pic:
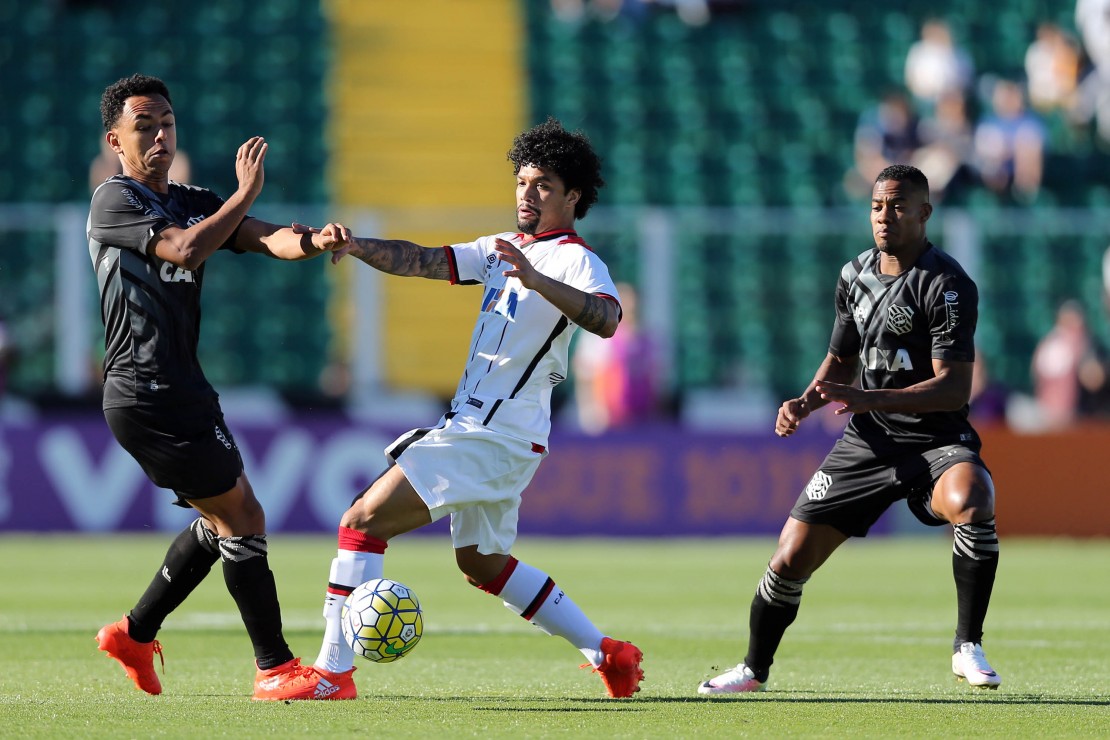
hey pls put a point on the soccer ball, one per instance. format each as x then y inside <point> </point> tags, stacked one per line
<point>382,620</point>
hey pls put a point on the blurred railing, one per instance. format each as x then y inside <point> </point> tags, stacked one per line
<point>740,297</point>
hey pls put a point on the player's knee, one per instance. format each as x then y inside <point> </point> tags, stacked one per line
<point>961,505</point>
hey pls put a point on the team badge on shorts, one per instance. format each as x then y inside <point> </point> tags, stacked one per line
<point>899,319</point>
<point>818,486</point>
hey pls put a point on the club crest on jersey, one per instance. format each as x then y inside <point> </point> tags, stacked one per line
<point>818,486</point>
<point>899,319</point>
<point>500,301</point>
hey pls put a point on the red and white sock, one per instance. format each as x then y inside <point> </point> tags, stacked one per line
<point>360,558</point>
<point>533,595</point>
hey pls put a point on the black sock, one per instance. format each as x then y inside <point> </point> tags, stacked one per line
<point>974,564</point>
<point>251,583</point>
<point>187,562</point>
<point>774,608</point>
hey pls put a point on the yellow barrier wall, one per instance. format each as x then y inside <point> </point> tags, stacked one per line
<point>426,98</point>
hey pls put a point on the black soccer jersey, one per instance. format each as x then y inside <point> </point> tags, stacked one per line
<point>898,324</point>
<point>150,307</point>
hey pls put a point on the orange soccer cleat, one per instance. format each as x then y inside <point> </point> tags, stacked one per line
<point>137,658</point>
<point>292,681</point>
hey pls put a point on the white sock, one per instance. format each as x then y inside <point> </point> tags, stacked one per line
<point>348,570</point>
<point>532,594</point>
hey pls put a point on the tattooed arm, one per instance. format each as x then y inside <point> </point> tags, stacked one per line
<point>399,257</point>
<point>595,314</point>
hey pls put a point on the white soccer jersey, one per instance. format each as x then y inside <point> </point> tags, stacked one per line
<point>520,346</point>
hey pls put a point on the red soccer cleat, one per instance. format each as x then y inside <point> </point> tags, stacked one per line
<point>137,658</point>
<point>620,668</point>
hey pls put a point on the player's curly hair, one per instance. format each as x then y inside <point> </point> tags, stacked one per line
<point>111,102</point>
<point>568,154</point>
<point>908,174</point>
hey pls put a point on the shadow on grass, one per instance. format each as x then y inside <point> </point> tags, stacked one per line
<point>638,703</point>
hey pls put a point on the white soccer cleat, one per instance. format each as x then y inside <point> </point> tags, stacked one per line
<point>738,680</point>
<point>969,664</point>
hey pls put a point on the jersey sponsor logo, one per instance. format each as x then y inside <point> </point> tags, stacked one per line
<point>501,301</point>
<point>887,359</point>
<point>899,319</point>
<point>171,273</point>
<point>951,309</point>
<point>818,486</point>
<point>223,440</point>
<point>133,201</point>
<point>474,402</point>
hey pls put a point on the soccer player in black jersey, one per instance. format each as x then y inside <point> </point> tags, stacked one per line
<point>149,239</point>
<point>906,313</point>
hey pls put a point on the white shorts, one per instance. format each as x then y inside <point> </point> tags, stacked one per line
<point>474,474</point>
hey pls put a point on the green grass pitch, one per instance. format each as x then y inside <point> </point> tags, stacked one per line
<point>867,657</point>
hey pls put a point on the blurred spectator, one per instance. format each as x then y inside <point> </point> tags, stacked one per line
<point>617,380</point>
<point>945,155</point>
<point>690,12</point>
<point>935,65</point>
<point>1092,18</point>
<point>7,356</point>
<point>1009,144</point>
<point>1052,65</point>
<point>886,134</point>
<point>107,163</point>
<point>1056,367</point>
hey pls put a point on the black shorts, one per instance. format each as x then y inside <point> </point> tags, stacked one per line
<point>188,450</point>
<point>854,485</point>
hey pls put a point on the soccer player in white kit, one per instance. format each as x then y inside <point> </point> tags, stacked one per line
<point>540,285</point>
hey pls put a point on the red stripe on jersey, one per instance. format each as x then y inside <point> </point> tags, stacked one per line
<point>452,266</point>
<point>494,587</point>
<point>352,539</point>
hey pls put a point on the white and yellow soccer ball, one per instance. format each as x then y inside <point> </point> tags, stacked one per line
<point>382,620</point>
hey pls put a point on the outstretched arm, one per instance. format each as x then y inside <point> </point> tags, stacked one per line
<point>296,242</point>
<point>398,257</point>
<point>596,314</point>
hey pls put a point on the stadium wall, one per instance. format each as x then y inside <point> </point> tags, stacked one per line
<point>65,473</point>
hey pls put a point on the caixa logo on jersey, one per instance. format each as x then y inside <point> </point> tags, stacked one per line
<point>500,301</point>
<point>171,273</point>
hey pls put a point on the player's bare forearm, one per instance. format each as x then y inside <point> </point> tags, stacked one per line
<point>598,316</point>
<point>399,257</point>
<point>841,370</point>
<point>948,390</point>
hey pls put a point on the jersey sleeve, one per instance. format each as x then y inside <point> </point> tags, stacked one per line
<point>589,274</point>
<point>120,216</point>
<point>470,261</point>
<point>953,312</point>
<point>845,340</point>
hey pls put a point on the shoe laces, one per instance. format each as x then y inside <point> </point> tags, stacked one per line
<point>157,646</point>
<point>974,653</point>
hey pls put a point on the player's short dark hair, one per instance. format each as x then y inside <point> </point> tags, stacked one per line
<point>568,154</point>
<point>908,174</point>
<point>111,102</point>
